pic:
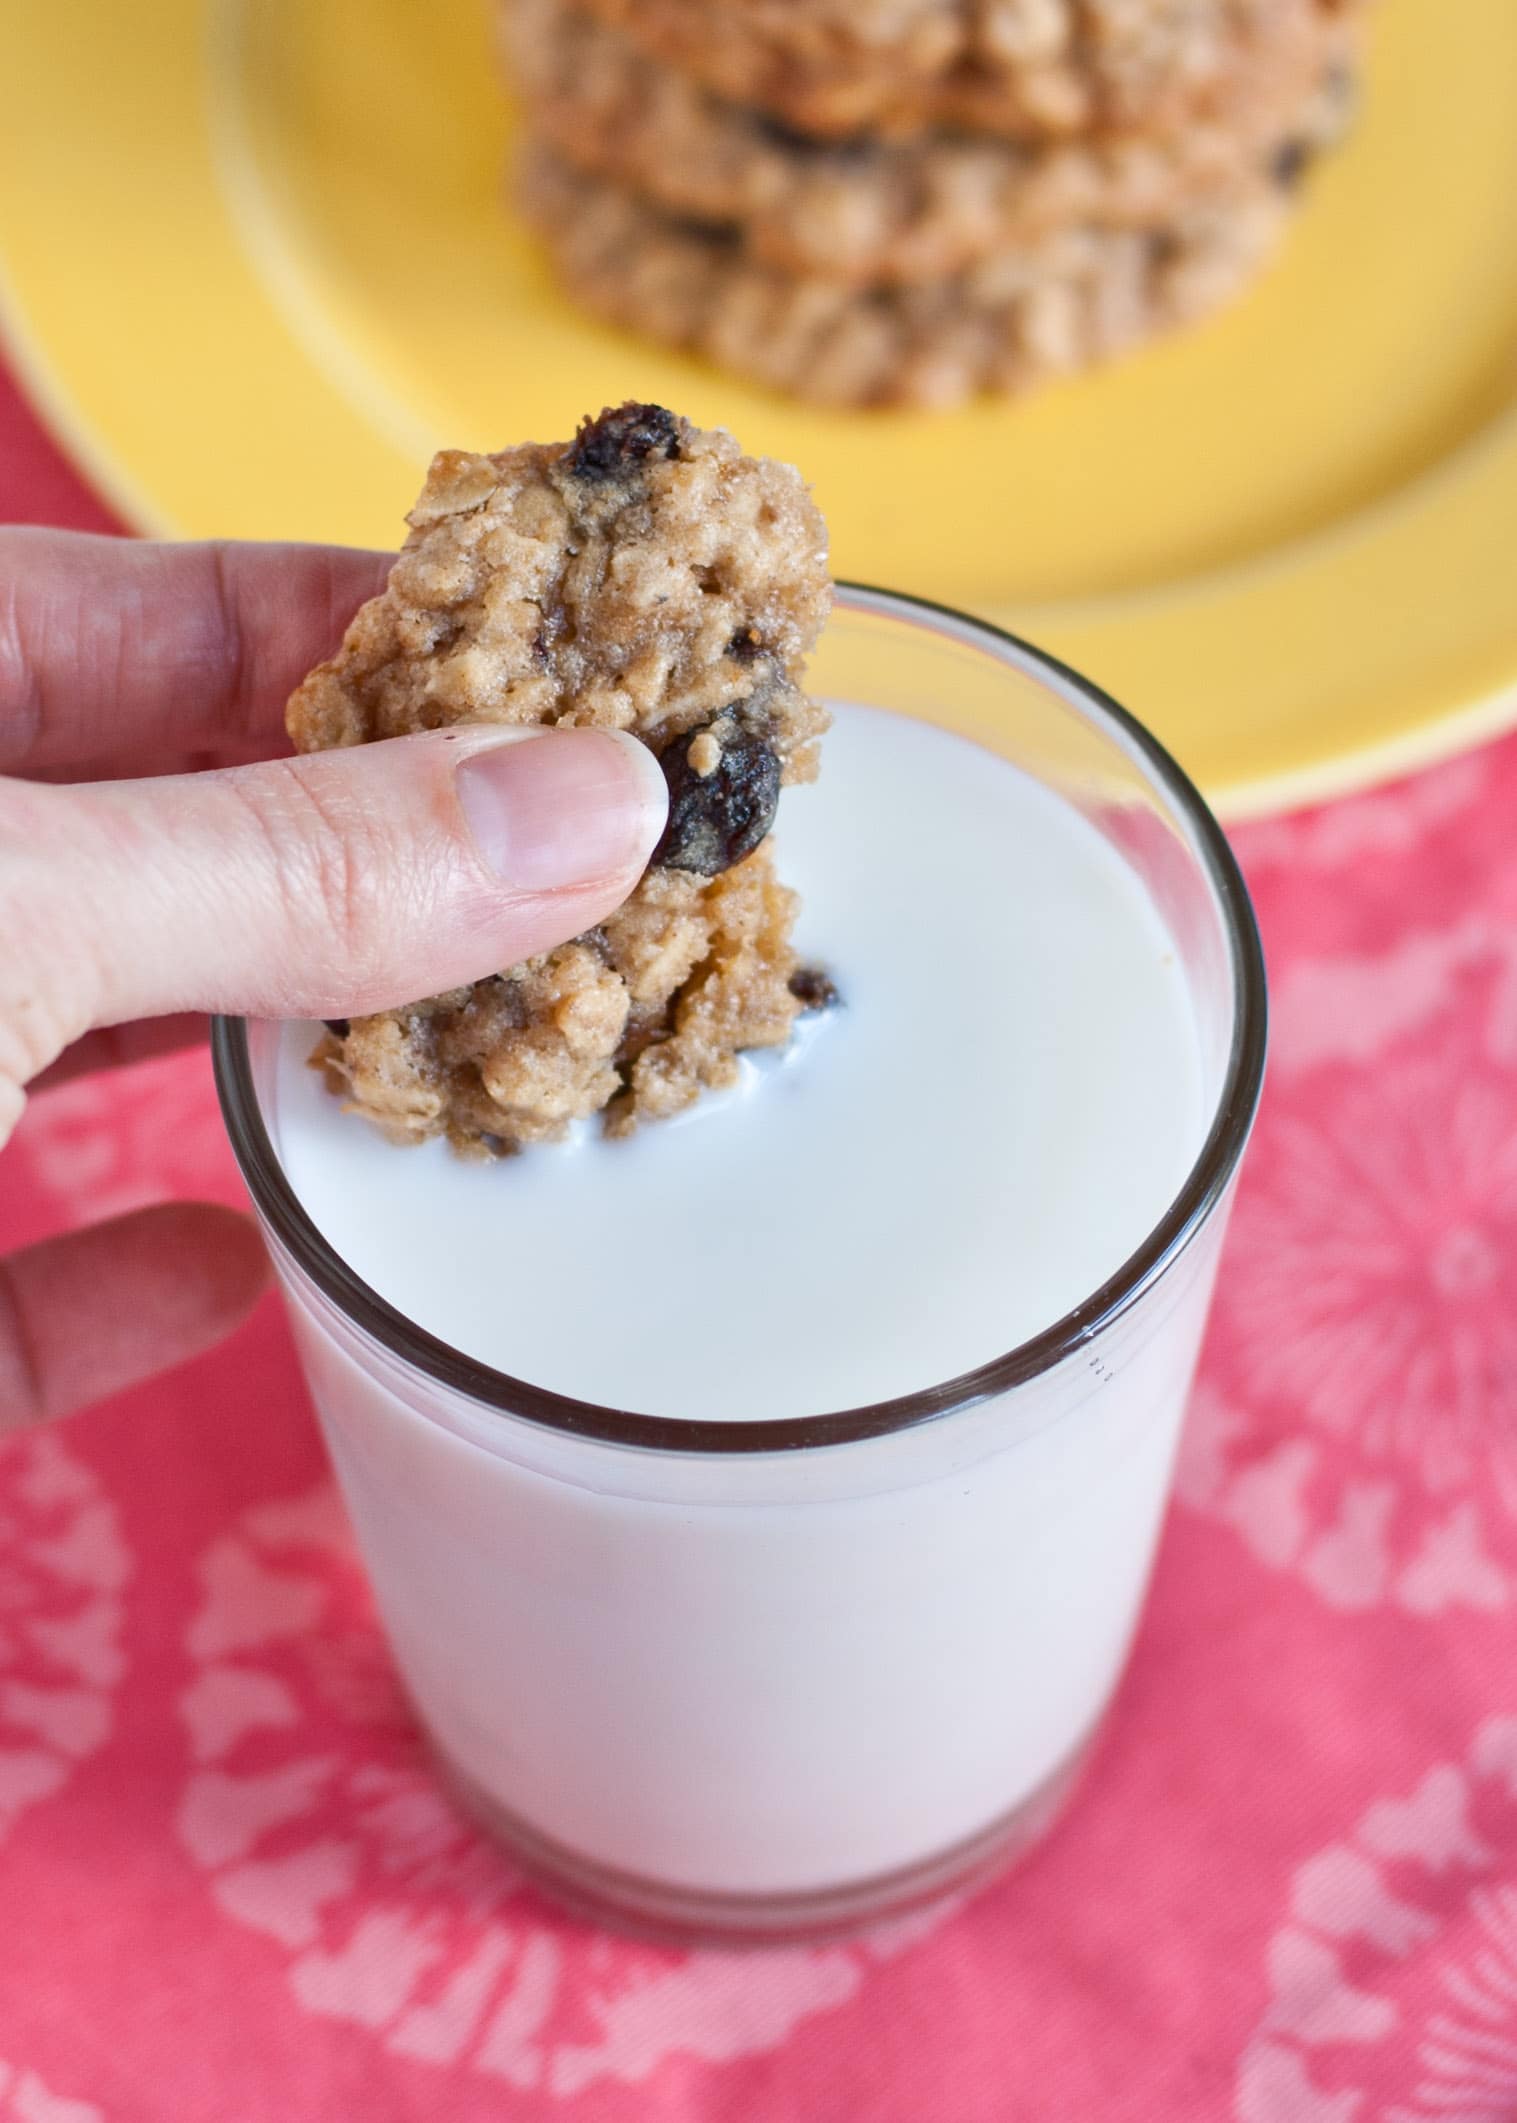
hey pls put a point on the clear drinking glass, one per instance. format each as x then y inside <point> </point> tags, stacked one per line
<point>760,1680</point>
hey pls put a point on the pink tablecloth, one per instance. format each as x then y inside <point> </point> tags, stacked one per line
<point>1289,1893</point>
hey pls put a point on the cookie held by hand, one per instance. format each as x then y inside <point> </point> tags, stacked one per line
<point>647,577</point>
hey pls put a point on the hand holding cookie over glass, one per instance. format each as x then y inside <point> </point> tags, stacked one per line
<point>156,861</point>
<point>752,1336</point>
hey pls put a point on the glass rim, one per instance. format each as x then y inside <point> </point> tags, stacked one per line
<point>1191,1208</point>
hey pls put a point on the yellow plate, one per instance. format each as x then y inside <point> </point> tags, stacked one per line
<point>256,266</point>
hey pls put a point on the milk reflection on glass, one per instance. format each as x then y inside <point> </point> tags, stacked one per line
<point>739,1658</point>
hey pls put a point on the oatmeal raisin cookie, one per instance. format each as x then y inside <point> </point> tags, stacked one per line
<point>871,211</point>
<point>645,577</point>
<point>1074,297</point>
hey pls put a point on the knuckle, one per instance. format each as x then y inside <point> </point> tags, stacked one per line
<point>20,696</point>
<point>47,974</point>
<point>327,865</point>
<point>229,636</point>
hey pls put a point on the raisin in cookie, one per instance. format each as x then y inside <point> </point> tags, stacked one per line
<point>1023,69</point>
<point>645,577</point>
<point>1072,298</point>
<point>873,212</point>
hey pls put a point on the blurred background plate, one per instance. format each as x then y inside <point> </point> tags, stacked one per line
<point>256,266</point>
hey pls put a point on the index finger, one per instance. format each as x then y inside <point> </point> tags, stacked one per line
<point>115,646</point>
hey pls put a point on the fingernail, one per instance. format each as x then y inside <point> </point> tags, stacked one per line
<point>566,809</point>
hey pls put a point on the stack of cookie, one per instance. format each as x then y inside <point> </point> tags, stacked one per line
<point>873,202</point>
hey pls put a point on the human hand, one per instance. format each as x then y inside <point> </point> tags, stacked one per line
<point>326,886</point>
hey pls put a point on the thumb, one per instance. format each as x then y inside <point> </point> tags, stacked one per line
<point>329,885</point>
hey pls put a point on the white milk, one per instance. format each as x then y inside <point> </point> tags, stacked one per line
<point>1007,1101</point>
<point>765,1674</point>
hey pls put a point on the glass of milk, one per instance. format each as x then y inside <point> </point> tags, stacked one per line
<point>760,1510</point>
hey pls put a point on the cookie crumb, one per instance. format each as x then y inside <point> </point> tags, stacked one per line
<point>814,989</point>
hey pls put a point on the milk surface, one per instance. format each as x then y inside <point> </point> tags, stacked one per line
<point>1007,1100</point>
